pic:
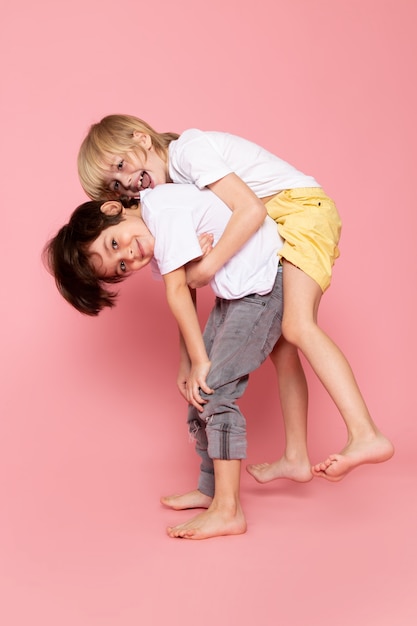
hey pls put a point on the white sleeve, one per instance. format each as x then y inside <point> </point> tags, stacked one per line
<point>176,240</point>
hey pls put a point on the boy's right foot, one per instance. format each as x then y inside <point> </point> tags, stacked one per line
<point>191,500</point>
<point>283,468</point>
<point>215,522</point>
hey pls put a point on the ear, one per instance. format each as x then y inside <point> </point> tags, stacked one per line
<point>112,207</point>
<point>143,139</point>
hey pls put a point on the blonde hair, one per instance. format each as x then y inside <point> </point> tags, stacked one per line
<point>113,135</point>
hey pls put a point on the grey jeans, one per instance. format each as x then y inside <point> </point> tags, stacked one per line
<point>239,335</point>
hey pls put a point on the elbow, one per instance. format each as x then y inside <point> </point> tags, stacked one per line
<point>263,211</point>
<point>253,216</point>
<point>259,213</point>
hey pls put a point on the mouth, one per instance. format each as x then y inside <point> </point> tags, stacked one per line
<point>144,181</point>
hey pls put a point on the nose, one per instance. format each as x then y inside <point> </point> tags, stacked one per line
<point>125,179</point>
<point>126,243</point>
<point>126,253</point>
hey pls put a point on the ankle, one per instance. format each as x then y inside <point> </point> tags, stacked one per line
<point>227,505</point>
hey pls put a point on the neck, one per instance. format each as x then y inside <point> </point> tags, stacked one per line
<point>135,209</point>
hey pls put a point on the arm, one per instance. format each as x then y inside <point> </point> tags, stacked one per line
<point>181,304</point>
<point>185,363</point>
<point>249,213</point>
<point>184,369</point>
<point>206,243</point>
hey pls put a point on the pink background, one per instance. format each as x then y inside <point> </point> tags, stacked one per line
<point>92,427</point>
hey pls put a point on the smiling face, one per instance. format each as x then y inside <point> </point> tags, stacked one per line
<point>143,168</point>
<point>122,248</point>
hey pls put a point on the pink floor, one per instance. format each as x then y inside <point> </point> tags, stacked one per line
<point>96,553</point>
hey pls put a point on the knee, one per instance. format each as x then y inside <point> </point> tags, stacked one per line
<point>295,330</point>
<point>196,426</point>
<point>285,357</point>
<point>290,330</point>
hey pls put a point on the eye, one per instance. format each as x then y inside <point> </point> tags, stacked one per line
<point>116,185</point>
<point>114,244</point>
<point>120,165</point>
<point>123,267</point>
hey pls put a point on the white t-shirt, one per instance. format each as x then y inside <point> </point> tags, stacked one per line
<point>177,214</point>
<point>203,157</point>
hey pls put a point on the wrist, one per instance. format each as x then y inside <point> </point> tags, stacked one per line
<point>208,267</point>
<point>200,362</point>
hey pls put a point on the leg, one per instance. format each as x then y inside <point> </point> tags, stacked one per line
<point>295,463</point>
<point>201,497</point>
<point>246,331</point>
<point>224,515</point>
<point>365,443</point>
<point>224,444</point>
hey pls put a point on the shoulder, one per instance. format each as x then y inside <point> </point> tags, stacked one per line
<point>195,135</point>
<point>187,139</point>
<point>190,134</point>
<point>168,196</point>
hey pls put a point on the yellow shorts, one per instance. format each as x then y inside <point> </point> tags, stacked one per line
<point>310,225</point>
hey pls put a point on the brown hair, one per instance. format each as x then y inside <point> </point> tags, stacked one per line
<point>66,257</point>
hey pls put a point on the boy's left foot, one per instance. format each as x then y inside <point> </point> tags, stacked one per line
<point>211,523</point>
<point>336,466</point>
<point>191,500</point>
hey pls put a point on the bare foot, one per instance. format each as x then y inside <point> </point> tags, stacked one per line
<point>283,468</point>
<point>375,450</point>
<point>215,522</point>
<point>191,500</point>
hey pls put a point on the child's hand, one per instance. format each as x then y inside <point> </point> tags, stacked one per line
<point>197,381</point>
<point>197,276</point>
<point>183,374</point>
<point>206,243</point>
